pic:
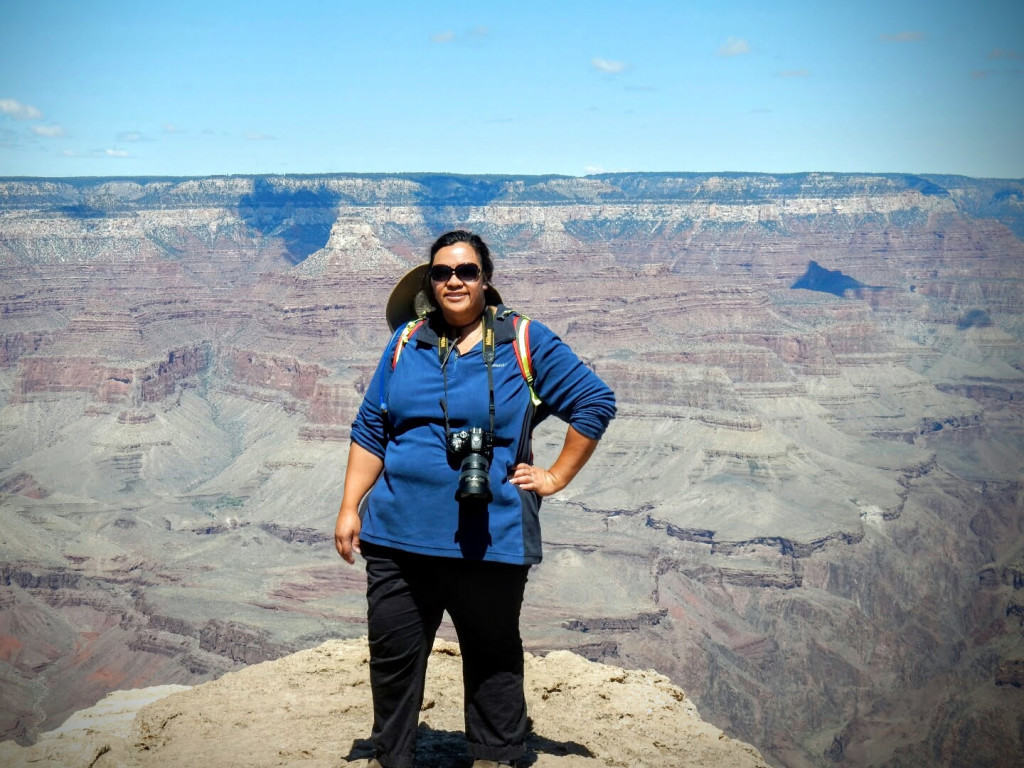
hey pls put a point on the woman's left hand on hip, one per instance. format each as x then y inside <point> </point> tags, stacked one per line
<point>537,479</point>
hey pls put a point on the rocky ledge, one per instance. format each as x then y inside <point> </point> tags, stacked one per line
<point>313,709</point>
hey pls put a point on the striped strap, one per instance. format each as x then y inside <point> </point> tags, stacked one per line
<point>521,323</point>
<point>410,328</point>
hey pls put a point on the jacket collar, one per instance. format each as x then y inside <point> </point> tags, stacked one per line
<point>435,327</point>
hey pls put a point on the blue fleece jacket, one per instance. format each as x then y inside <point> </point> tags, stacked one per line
<point>412,506</point>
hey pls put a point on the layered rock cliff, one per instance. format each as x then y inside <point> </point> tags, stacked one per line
<point>808,512</point>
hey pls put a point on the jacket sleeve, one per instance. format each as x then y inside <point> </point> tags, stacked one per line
<point>369,429</point>
<point>567,386</point>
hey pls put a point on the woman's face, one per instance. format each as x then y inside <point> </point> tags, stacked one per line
<point>461,301</point>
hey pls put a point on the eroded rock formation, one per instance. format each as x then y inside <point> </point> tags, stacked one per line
<point>808,512</point>
<point>313,708</point>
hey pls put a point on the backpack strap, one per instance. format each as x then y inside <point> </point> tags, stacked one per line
<point>521,324</point>
<point>410,328</point>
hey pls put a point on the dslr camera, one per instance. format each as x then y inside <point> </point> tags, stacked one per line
<point>475,447</point>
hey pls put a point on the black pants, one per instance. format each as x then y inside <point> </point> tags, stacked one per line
<point>406,596</point>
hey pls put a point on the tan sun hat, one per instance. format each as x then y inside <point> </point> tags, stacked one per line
<point>409,301</point>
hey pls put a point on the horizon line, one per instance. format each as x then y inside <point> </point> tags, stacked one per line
<point>501,175</point>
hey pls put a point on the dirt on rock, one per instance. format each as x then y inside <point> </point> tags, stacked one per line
<point>313,709</point>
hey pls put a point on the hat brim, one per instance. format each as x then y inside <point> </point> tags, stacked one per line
<point>409,302</point>
<point>402,304</point>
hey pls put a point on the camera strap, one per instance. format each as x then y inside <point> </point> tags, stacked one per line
<point>445,346</point>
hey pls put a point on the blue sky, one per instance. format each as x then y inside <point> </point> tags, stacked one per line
<point>195,88</point>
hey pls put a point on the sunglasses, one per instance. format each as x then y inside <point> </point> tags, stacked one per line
<point>467,273</point>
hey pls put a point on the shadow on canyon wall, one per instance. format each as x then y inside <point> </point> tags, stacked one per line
<point>301,217</point>
<point>819,278</point>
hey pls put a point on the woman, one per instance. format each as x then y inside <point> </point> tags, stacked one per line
<point>442,446</point>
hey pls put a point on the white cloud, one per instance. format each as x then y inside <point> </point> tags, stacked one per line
<point>903,37</point>
<point>734,46</point>
<point>172,128</point>
<point>19,111</point>
<point>130,136</point>
<point>116,153</point>
<point>473,34</point>
<point>607,65</point>
<point>49,131</point>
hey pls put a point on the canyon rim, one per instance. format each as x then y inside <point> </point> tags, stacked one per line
<point>808,513</point>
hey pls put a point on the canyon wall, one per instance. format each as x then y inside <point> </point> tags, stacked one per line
<point>808,512</point>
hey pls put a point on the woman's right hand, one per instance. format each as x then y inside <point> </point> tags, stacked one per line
<point>346,534</point>
<point>361,473</point>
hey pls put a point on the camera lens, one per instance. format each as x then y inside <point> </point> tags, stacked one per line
<point>474,482</point>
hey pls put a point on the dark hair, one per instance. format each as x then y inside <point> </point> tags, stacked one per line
<point>474,241</point>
